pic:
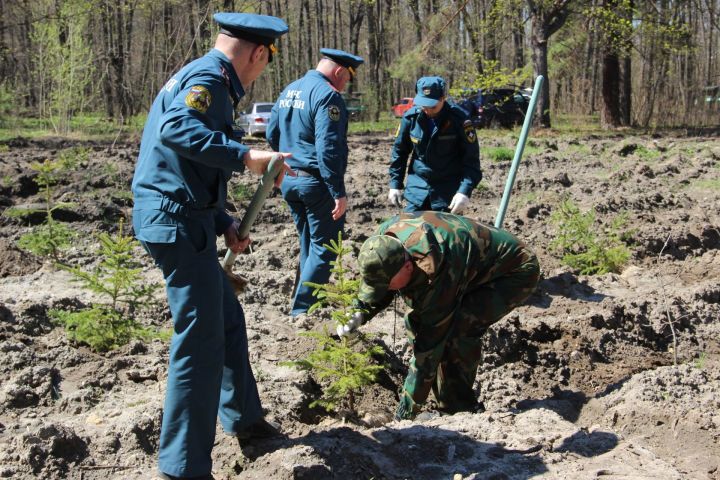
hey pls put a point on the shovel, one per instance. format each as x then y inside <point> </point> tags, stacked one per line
<point>263,190</point>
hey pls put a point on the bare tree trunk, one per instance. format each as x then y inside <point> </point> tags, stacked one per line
<point>610,112</point>
<point>626,92</point>
<point>518,45</point>
<point>415,9</point>
<point>474,38</point>
<point>540,67</point>
<point>547,18</point>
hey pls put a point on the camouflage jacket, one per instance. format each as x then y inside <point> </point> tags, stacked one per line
<point>452,254</point>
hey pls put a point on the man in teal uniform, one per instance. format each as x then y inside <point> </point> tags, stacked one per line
<point>187,155</point>
<point>458,277</point>
<point>439,140</point>
<point>310,120</point>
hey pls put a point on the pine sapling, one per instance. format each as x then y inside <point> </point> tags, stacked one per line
<point>346,363</point>
<point>117,279</point>
<point>51,237</point>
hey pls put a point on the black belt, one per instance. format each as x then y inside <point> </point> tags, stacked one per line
<point>305,173</point>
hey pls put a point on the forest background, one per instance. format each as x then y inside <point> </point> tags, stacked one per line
<point>622,62</point>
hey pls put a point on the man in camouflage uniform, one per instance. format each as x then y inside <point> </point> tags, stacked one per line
<point>458,277</point>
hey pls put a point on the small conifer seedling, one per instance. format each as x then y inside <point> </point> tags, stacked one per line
<point>343,365</point>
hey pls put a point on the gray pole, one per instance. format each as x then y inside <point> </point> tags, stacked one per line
<point>518,152</point>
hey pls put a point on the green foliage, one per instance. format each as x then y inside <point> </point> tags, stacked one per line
<point>384,125</point>
<point>614,20</point>
<point>498,154</point>
<point>701,361</point>
<point>408,66</point>
<point>62,59</point>
<point>707,184</point>
<point>646,154</point>
<point>51,237</point>
<point>341,295</point>
<point>117,275</point>
<point>240,192</point>
<point>100,327</point>
<point>482,187</point>
<point>71,158</point>
<point>7,103</point>
<point>493,76</point>
<point>48,239</point>
<point>582,247</point>
<point>117,280</point>
<point>337,361</point>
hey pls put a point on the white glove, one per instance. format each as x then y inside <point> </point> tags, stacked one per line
<point>395,197</point>
<point>459,202</point>
<point>355,321</point>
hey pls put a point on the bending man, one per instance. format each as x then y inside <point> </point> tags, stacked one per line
<point>458,277</point>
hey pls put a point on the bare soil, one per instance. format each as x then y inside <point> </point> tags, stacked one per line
<point>579,383</point>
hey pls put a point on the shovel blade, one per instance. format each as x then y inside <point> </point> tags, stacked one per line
<point>238,282</point>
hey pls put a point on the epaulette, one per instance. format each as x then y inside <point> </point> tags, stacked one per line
<point>458,111</point>
<point>414,110</point>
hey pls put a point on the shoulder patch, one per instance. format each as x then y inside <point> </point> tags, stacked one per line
<point>334,113</point>
<point>198,98</point>
<point>470,134</point>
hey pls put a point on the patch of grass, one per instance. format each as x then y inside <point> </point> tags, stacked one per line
<point>86,126</point>
<point>700,361</point>
<point>482,187</point>
<point>385,125</point>
<point>122,195</point>
<point>580,148</point>
<point>706,184</point>
<point>531,150</point>
<point>497,154</point>
<point>646,154</point>
<point>240,192</point>
<point>528,198</point>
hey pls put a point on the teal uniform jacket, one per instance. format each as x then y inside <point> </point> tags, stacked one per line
<point>310,120</point>
<point>187,152</point>
<point>443,157</point>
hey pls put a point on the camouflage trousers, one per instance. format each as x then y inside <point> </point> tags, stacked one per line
<point>449,369</point>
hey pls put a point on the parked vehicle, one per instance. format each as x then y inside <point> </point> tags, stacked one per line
<point>499,107</point>
<point>354,105</point>
<point>255,121</point>
<point>402,106</point>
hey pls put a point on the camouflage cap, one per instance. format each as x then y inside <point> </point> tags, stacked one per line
<point>380,258</point>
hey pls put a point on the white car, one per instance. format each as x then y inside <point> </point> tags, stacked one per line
<point>255,121</point>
